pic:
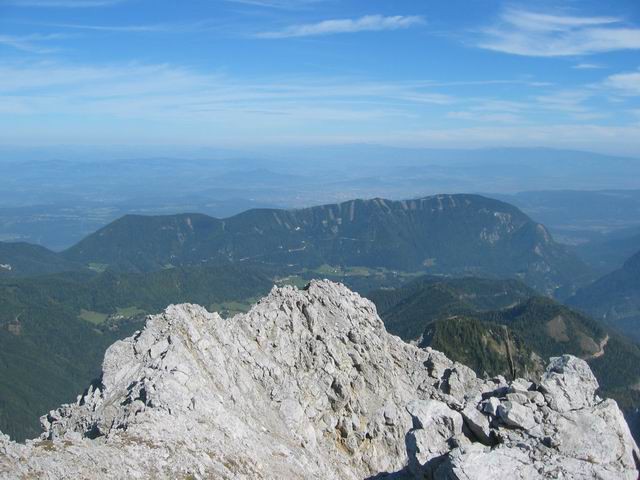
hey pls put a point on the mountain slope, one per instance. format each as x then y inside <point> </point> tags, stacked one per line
<point>408,310</point>
<point>21,259</point>
<point>452,234</point>
<point>487,348</point>
<point>615,298</point>
<point>551,329</point>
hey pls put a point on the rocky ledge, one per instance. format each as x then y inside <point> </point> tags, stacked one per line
<point>309,384</point>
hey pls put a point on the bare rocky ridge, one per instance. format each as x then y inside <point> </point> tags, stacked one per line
<point>309,384</point>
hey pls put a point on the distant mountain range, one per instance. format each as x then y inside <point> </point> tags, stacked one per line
<point>443,234</point>
<point>81,190</point>
<point>615,298</point>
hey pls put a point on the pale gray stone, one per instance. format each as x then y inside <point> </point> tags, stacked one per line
<point>516,415</point>
<point>490,406</point>
<point>569,383</point>
<point>435,427</point>
<point>478,423</point>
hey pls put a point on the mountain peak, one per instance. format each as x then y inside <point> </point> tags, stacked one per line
<point>308,384</point>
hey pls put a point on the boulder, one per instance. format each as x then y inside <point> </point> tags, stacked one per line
<point>435,428</point>
<point>569,384</point>
<point>478,423</point>
<point>516,415</point>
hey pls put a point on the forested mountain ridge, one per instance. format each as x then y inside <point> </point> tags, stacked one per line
<point>442,234</point>
<point>19,259</point>
<point>408,310</point>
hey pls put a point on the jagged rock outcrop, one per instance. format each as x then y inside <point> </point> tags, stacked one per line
<point>309,384</point>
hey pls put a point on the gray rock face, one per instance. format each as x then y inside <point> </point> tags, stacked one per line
<point>569,383</point>
<point>308,384</point>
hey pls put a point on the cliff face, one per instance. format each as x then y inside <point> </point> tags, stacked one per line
<point>308,384</point>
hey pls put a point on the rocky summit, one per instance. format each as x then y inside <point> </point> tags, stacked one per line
<point>308,384</point>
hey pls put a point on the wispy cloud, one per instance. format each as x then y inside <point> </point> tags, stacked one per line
<point>60,3</point>
<point>475,116</point>
<point>142,28</point>
<point>587,66</point>
<point>568,101</point>
<point>624,83</point>
<point>368,23</point>
<point>168,92</point>
<point>527,33</point>
<point>30,43</point>
<point>113,28</point>
<point>165,102</point>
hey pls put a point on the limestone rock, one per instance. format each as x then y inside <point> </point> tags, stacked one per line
<point>515,415</point>
<point>308,384</point>
<point>435,428</point>
<point>478,423</point>
<point>569,383</point>
<point>490,406</point>
<point>479,463</point>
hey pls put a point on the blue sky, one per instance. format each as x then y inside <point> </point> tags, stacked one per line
<point>250,73</point>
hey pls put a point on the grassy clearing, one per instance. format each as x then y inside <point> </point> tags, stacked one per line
<point>92,317</point>
<point>337,271</point>
<point>130,311</point>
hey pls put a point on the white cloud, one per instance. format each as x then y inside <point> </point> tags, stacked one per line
<point>29,43</point>
<point>474,116</point>
<point>368,23</point>
<point>587,66</point>
<point>624,83</point>
<point>142,28</point>
<point>533,21</point>
<point>567,101</point>
<point>521,32</point>
<point>167,92</point>
<point>588,116</point>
